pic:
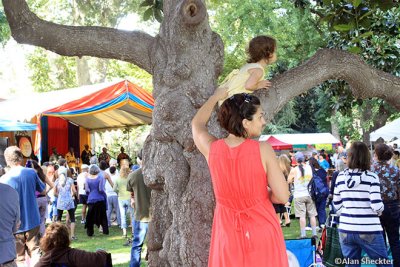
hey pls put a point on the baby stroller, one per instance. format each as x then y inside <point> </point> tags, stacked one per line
<point>329,245</point>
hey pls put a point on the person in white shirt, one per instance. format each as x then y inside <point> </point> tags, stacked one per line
<point>304,206</point>
<point>357,200</point>
<point>112,197</point>
<point>81,190</point>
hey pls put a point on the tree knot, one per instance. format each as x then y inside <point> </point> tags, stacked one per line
<point>193,12</point>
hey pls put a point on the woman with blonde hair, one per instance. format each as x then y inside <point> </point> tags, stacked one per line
<point>284,164</point>
<point>124,196</point>
<point>57,251</point>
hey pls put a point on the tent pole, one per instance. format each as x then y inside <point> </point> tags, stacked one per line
<point>129,141</point>
<point>93,142</point>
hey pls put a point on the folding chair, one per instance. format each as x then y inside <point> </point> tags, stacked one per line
<point>301,252</point>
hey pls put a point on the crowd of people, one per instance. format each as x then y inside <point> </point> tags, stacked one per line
<point>364,190</point>
<point>34,198</point>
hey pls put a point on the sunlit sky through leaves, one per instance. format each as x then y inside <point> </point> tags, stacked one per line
<point>14,70</point>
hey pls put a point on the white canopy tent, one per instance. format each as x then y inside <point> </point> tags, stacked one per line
<point>304,138</point>
<point>387,132</point>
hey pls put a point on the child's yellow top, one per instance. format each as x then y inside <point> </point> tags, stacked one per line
<point>236,80</point>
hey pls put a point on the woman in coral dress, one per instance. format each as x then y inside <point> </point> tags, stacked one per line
<point>246,179</point>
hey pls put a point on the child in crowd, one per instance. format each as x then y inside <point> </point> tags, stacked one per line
<point>250,77</point>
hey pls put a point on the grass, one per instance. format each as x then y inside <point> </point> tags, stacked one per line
<point>293,232</point>
<point>112,243</point>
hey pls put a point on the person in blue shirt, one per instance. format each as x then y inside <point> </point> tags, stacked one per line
<point>26,182</point>
<point>9,223</point>
<point>323,162</point>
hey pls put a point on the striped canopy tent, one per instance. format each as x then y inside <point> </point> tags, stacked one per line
<point>11,126</point>
<point>119,105</point>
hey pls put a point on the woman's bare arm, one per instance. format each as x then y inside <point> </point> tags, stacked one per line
<point>201,137</point>
<point>276,179</point>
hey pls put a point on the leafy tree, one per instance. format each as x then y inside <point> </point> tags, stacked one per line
<point>59,72</point>
<point>367,28</point>
<point>41,80</point>
<point>297,37</point>
<point>4,28</point>
<point>131,139</point>
<point>185,59</point>
<point>119,69</point>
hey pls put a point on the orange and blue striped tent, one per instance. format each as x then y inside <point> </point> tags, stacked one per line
<point>119,105</point>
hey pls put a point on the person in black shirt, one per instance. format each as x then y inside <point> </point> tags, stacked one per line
<point>86,155</point>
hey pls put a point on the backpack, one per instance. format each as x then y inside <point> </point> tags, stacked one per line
<point>317,189</point>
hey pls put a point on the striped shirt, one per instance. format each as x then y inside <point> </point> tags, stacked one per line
<point>357,199</point>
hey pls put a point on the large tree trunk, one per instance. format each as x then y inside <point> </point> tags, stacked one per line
<point>379,119</point>
<point>334,125</point>
<point>184,77</point>
<point>185,60</point>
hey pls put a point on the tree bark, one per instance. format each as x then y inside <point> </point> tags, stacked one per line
<point>82,71</point>
<point>364,80</point>
<point>379,120</point>
<point>186,59</point>
<point>334,125</point>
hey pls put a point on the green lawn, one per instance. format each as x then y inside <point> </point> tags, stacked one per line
<point>113,243</point>
<point>293,231</point>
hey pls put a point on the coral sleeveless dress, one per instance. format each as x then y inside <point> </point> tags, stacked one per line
<point>245,231</point>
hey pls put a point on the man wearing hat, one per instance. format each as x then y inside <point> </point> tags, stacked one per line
<point>81,179</point>
<point>300,176</point>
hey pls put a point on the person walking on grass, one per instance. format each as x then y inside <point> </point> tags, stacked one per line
<point>140,198</point>
<point>304,206</point>
<point>81,179</point>
<point>112,196</point>
<point>97,201</point>
<point>65,190</point>
<point>124,197</point>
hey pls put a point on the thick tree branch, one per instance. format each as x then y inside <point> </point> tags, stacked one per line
<point>27,28</point>
<point>364,80</point>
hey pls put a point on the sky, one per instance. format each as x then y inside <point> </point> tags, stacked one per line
<point>14,72</point>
